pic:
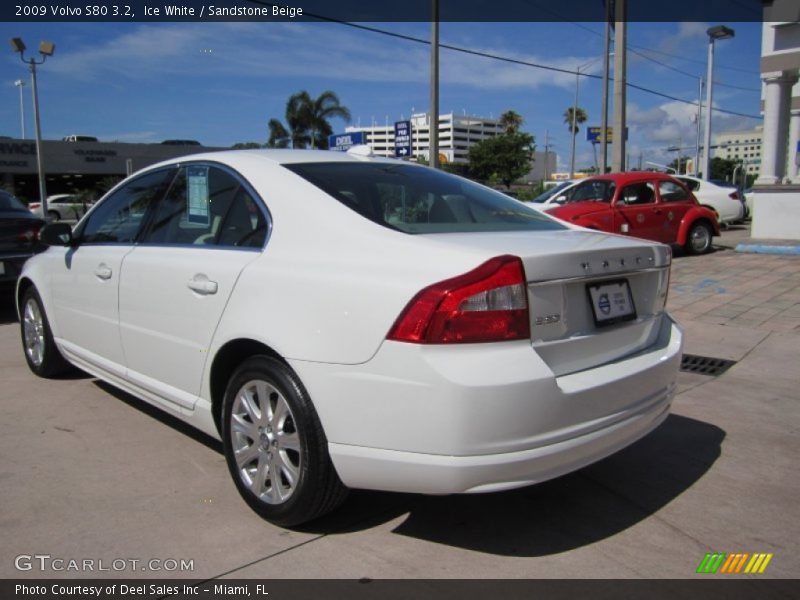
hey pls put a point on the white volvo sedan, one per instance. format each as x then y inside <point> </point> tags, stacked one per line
<point>343,321</point>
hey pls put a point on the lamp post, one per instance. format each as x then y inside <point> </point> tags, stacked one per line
<point>20,84</point>
<point>574,124</point>
<point>697,119</point>
<point>45,49</point>
<point>719,32</point>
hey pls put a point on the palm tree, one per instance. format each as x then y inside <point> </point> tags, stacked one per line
<point>325,106</point>
<point>574,117</point>
<point>511,121</point>
<point>307,119</point>
<point>278,136</point>
<point>580,117</point>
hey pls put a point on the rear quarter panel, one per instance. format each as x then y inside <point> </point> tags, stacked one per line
<point>693,215</point>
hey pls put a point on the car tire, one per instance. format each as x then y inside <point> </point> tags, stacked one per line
<point>53,216</point>
<point>278,457</point>
<point>698,241</point>
<point>41,352</point>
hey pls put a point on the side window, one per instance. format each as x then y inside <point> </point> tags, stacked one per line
<point>638,193</point>
<point>119,217</point>
<point>206,205</point>
<point>671,191</point>
<point>599,191</point>
<point>691,184</point>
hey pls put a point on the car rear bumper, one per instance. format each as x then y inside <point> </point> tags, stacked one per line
<point>488,417</point>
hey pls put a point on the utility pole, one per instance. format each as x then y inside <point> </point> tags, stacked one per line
<point>604,118</point>
<point>620,81</point>
<point>546,151</point>
<point>434,120</point>
<point>699,121</point>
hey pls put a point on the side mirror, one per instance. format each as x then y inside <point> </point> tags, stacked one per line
<point>560,200</point>
<point>56,234</point>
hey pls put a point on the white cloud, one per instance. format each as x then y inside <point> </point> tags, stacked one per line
<point>261,51</point>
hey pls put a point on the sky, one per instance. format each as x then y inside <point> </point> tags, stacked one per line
<point>220,83</point>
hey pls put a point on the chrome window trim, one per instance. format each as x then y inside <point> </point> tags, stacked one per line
<point>260,203</point>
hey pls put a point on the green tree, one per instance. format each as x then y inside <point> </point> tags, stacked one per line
<point>246,146</point>
<point>506,157</point>
<point>722,168</point>
<point>511,121</point>
<point>308,120</point>
<point>683,160</point>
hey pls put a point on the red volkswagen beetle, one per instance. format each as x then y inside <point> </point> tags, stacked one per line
<point>648,205</point>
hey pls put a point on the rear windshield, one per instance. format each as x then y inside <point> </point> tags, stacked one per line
<point>9,203</point>
<point>416,199</point>
<point>544,196</point>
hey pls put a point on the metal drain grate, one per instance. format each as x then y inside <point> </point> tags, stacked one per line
<point>705,365</point>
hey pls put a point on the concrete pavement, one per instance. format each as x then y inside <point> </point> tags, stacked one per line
<point>89,472</point>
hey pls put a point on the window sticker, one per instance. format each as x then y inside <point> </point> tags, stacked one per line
<point>197,201</point>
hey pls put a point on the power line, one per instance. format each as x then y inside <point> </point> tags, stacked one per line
<point>692,75</point>
<point>504,59</point>
<point>538,66</point>
<point>561,17</point>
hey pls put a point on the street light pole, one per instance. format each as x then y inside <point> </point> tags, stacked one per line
<point>20,84</point>
<point>698,121</point>
<point>574,124</point>
<point>45,49</point>
<point>720,32</point>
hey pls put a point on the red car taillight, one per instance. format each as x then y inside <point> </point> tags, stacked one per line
<point>487,304</point>
<point>734,195</point>
<point>28,236</point>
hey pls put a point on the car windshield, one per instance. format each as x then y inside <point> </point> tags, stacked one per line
<point>9,203</point>
<point>545,196</point>
<point>416,199</point>
<point>598,190</point>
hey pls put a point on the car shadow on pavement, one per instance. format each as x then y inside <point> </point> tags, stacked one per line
<point>576,510</point>
<point>569,512</point>
<point>160,415</point>
<point>8,311</point>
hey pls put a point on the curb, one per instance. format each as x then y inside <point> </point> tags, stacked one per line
<point>768,249</point>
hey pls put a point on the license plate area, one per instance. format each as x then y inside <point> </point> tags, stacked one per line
<point>611,302</point>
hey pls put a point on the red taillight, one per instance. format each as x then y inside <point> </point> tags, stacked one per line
<point>488,304</point>
<point>734,195</point>
<point>34,205</point>
<point>28,235</point>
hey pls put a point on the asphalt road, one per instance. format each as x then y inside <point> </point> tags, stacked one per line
<point>88,472</point>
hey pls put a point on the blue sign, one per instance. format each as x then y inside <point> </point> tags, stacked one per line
<point>595,134</point>
<point>342,142</point>
<point>402,139</point>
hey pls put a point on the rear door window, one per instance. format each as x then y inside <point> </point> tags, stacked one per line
<point>672,192</point>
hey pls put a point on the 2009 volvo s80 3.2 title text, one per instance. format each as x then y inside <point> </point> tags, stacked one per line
<point>345,321</point>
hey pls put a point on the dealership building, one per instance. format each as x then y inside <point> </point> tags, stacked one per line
<point>75,166</point>
<point>457,134</point>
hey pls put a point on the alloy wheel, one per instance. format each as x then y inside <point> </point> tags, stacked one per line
<point>33,328</point>
<point>265,441</point>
